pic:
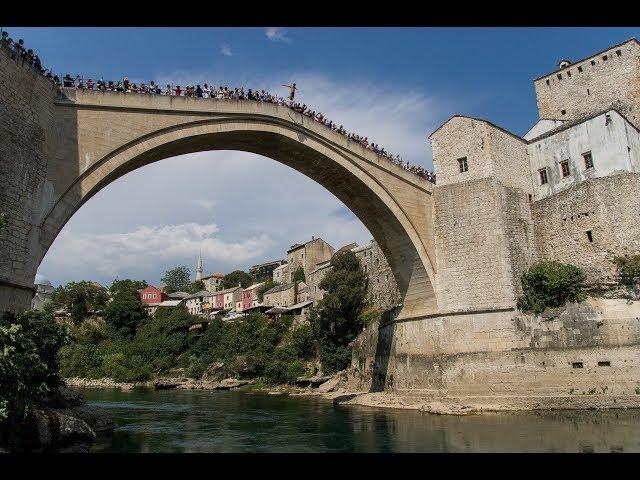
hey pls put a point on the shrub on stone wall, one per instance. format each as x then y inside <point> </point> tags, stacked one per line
<point>629,269</point>
<point>551,284</point>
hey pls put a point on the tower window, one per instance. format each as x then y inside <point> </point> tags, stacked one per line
<point>590,236</point>
<point>588,92</point>
<point>593,62</point>
<point>462,164</point>
<point>564,168</point>
<point>563,112</point>
<point>580,69</point>
<point>548,82</point>
<point>605,57</point>
<point>618,52</point>
<point>559,76</point>
<point>568,73</point>
<point>543,176</point>
<point>588,160</point>
<point>576,364</point>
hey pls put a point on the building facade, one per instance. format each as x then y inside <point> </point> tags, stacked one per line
<point>250,296</point>
<point>264,271</point>
<point>307,255</point>
<point>213,282</point>
<point>282,295</point>
<point>151,295</point>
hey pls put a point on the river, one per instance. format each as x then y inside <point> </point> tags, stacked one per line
<point>232,421</point>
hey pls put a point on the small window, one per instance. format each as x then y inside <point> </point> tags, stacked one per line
<point>462,164</point>
<point>568,73</point>
<point>619,53</point>
<point>577,365</point>
<point>548,82</point>
<point>144,295</point>
<point>563,112</point>
<point>580,69</point>
<point>559,76</point>
<point>590,236</point>
<point>543,176</point>
<point>588,160</point>
<point>605,57</point>
<point>593,62</point>
<point>530,198</point>
<point>564,168</point>
<point>604,364</point>
<point>588,92</point>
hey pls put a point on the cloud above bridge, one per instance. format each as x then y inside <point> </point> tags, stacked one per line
<point>225,49</point>
<point>239,208</point>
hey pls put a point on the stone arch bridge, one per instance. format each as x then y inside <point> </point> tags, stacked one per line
<point>60,147</point>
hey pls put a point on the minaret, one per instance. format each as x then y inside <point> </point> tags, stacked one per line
<point>199,268</point>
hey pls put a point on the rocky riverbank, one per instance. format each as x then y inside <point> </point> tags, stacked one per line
<point>64,423</point>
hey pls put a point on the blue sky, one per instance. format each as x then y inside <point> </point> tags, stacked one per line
<point>395,85</point>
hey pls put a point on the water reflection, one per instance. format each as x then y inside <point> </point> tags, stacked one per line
<point>201,421</point>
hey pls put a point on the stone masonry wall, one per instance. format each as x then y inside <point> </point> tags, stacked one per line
<point>611,82</point>
<point>26,137</point>
<point>609,207</point>
<point>481,228</point>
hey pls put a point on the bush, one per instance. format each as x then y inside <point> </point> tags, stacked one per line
<point>196,368</point>
<point>550,284</point>
<point>629,269</point>
<point>29,362</point>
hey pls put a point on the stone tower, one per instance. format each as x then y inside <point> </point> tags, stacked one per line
<point>199,268</point>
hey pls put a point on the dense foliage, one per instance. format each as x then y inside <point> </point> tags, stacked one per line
<point>177,278</point>
<point>336,320</point>
<point>551,284</point>
<point>267,285</point>
<point>196,287</point>
<point>130,285</point>
<point>29,362</point>
<point>237,277</point>
<point>298,275</point>
<point>78,299</point>
<point>629,269</point>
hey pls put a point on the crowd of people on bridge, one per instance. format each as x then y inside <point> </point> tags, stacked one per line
<point>207,92</point>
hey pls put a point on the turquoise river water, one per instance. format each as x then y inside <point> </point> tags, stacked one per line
<point>216,421</point>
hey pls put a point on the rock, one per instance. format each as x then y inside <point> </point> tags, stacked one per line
<point>229,383</point>
<point>97,418</point>
<point>330,385</point>
<point>214,370</point>
<point>65,397</point>
<point>165,385</point>
<point>57,431</point>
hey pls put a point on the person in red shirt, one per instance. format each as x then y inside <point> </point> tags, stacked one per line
<point>178,91</point>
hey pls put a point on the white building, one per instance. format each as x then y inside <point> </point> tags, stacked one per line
<point>563,154</point>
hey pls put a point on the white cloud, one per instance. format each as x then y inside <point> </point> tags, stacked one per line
<point>277,34</point>
<point>147,248</point>
<point>225,49</point>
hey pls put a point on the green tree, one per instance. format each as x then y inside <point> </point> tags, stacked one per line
<point>124,313</point>
<point>298,275</point>
<point>78,299</point>
<point>177,278</point>
<point>550,284</point>
<point>237,277</point>
<point>267,285</point>
<point>127,284</point>
<point>196,287</point>
<point>336,320</point>
<point>29,364</point>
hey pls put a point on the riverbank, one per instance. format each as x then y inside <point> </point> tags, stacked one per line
<point>338,393</point>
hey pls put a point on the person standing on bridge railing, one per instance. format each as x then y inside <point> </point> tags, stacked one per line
<point>292,91</point>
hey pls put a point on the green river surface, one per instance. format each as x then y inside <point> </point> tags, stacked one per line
<point>235,421</point>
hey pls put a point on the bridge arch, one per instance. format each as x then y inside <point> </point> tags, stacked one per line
<point>105,136</point>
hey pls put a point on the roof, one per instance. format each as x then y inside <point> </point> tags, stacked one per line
<point>280,288</point>
<point>216,275</point>
<point>296,246</point>
<point>301,305</point>
<point>226,290</point>
<point>178,295</point>
<point>478,120</point>
<point>349,246</point>
<point>577,121</point>
<point>170,303</point>
<point>284,265</point>
<point>632,39</point>
<point>320,266</point>
<point>251,287</point>
<point>201,293</point>
<point>276,310</point>
<point>362,247</point>
<point>279,262</point>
